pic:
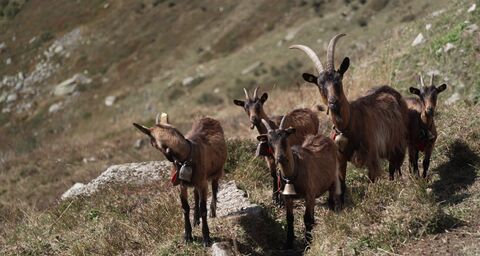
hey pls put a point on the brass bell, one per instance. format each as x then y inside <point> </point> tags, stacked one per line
<point>185,173</point>
<point>289,190</point>
<point>341,141</point>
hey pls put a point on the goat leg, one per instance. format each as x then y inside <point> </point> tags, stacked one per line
<point>308,218</point>
<point>426,159</point>
<point>203,214</point>
<point>413,159</point>
<point>290,219</point>
<point>213,204</point>
<point>186,214</point>
<point>196,210</point>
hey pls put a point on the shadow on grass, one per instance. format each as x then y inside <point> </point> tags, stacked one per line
<point>267,235</point>
<point>456,175</point>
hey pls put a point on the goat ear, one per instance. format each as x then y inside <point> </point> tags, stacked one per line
<point>414,91</point>
<point>240,103</point>
<point>441,88</point>
<point>290,130</point>
<point>344,66</point>
<point>262,137</point>
<point>143,129</point>
<point>164,118</point>
<point>310,78</point>
<point>264,97</point>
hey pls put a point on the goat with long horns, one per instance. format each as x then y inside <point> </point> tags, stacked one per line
<point>374,125</point>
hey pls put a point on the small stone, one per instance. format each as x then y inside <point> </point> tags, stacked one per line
<point>187,80</point>
<point>55,107</point>
<point>32,40</point>
<point>222,249</point>
<point>3,97</point>
<point>251,67</point>
<point>105,6</point>
<point>448,47</point>
<point>12,97</point>
<point>110,100</point>
<point>8,61</point>
<point>437,13</point>
<point>58,49</point>
<point>138,144</point>
<point>2,46</point>
<point>418,40</point>
<point>471,28</point>
<point>428,26</point>
<point>472,8</point>
<point>453,99</point>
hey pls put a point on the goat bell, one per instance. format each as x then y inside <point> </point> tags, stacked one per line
<point>185,173</point>
<point>289,190</point>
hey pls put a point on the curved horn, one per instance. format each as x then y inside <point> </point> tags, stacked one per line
<point>331,52</point>
<point>311,54</point>
<point>266,125</point>
<point>157,119</point>
<point>431,79</point>
<point>255,93</point>
<point>282,123</point>
<point>247,96</point>
<point>421,80</point>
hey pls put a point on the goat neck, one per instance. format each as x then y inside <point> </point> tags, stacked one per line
<point>342,120</point>
<point>288,169</point>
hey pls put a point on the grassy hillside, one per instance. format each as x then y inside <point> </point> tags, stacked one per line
<point>144,53</point>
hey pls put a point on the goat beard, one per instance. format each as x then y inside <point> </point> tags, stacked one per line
<point>252,126</point>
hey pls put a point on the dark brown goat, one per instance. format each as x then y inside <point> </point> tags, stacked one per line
<point>375,125</point>
<point>310,167</point>
<point>204,150</point>
<point>304,120</point>
<point>422,130</point>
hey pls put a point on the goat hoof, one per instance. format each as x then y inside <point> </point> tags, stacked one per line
<point>207,242</point>
<point>188,238</point>
<point>196,222</point>
<point>212,214</point>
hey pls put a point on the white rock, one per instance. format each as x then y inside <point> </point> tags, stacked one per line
<point>292,33</point>
<point>58,49</point>
<point>105,6</point>
<point>55,107</point>
<point>448,47</point>
<point>418,40</point>
<point>132,173</point>
<point>66,87</point>
<point>12,97</point>
<point>222,249</point>
<point>32,40</point>
<point>3,96</point>
<point>436,13</point>
<point>251,67</point>
<point>428,26</point>
<point>472,8</point>
<point>18,86</point>
<point>76,190</point>
<point>452,99</point>
<point>110,100</point>
<point>187,80</point>
<point>3,46</point>
<point>471,28</point>
<point>233,201</point>
<point>138,144</point>
<point>8,61</point>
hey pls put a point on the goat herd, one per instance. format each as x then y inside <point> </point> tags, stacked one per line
<point>379,125</point>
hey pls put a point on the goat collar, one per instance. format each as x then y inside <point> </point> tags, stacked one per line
<point>291,179</point>
<point>172,156</point>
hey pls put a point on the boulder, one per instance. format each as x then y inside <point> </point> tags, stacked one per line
<point>70,85</point>
<point>222,249</point>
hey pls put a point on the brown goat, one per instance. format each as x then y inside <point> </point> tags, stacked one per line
<point>422,130</point>
<point>304,120</point>
<point>310,167</point>
<point>375,125</point>
<point>204,150</point>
